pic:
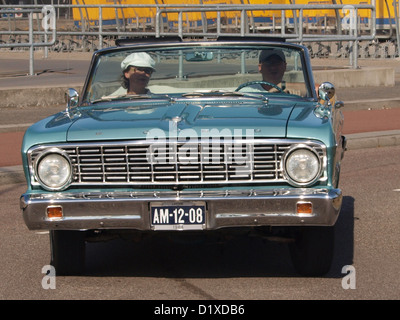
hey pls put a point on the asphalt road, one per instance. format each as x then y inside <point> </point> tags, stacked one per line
<point>245,268</point>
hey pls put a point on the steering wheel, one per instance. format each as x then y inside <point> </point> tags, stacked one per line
<point>249,83</point>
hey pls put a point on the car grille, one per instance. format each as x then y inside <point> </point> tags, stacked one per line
<point>145,163</point>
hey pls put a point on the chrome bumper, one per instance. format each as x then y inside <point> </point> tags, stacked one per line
<point>231,208</point>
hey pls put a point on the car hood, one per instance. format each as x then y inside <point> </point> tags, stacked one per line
<point>181,120</point>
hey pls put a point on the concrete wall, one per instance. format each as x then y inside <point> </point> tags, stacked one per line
<point>50,96</point>
<point>365,77</point>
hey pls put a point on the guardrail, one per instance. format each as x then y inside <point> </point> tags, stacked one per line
<point>48,12</point>
<point>291,23</point>
<point>298,23</point>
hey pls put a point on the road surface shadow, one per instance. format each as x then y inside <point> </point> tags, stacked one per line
<point>241,256</point>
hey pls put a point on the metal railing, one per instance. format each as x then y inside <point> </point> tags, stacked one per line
<point>298,21</point>
<point>31,44</point>
<point>288,21</point>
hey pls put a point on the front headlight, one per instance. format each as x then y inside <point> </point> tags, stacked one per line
<point>53,170</point>
<point>302,166</point>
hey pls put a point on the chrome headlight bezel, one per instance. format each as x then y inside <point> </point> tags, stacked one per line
<point>64,183</point>
<point>312,179</point>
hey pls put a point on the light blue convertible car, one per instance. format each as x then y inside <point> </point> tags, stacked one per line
<point>224,136</point>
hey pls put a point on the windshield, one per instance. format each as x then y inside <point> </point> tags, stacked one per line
<point>263,70</point>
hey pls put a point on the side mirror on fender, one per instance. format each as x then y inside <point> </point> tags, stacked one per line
<point>326,94</point>
<point>71,99</point>
<point>326,91</point>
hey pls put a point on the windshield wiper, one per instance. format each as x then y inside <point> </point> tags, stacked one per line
<point>130,97</point>
<point>223,93</point>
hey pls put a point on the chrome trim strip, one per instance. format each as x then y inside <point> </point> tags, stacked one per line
<point>177,195</point>
<point>260,215</point>
<point>103,217</point>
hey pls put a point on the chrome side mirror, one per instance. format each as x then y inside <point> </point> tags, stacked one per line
<point>71,99</point>
<point>326,91</point>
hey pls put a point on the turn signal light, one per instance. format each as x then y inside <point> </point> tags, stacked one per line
<point>304,208</point>
<point>54,212</point>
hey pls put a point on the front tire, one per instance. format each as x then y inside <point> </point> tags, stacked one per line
<point>313,249</point>
<point>67,252</point>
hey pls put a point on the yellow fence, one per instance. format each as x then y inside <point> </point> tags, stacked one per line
<point>384,11</point>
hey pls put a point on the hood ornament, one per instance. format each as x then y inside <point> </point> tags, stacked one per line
<point>176,119</point>
<point>173,126</point>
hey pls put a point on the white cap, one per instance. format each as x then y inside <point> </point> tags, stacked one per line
<point>138,59</point>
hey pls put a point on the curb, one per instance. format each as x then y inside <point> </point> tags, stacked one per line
<point>372,104</point>
<point>355,141</point>
<point>14,127</point>
<point>38,96</point>
<point>12,175</point>
<point>373,139</point>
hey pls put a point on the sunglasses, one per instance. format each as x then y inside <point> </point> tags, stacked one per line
<point>143,69</point>
<point>273,62</point>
